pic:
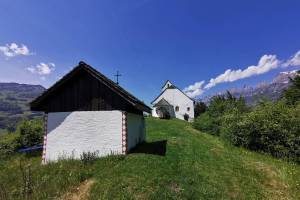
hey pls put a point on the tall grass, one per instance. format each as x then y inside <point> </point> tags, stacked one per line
<point>24,177</point>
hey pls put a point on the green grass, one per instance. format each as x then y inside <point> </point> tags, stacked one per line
<point>196,166</point>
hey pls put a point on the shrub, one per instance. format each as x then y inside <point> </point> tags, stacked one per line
<point>31,133</point>
<point>232,121</point>
<point>271,127</point>
<point>8,144</point>
<point>211,120</point>
<point>28,134</point>
<point>205,123</point>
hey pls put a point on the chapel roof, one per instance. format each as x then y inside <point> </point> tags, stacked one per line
<point>172,86</point>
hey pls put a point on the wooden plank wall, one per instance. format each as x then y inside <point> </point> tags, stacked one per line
<point>85,93</point>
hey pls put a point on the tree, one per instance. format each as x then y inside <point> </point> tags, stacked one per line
<point>31,133</point>
<point>200,108</point>
<point>292,94</point>
<point>219,106</point>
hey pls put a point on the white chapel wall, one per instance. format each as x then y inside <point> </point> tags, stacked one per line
<point>177,98</point>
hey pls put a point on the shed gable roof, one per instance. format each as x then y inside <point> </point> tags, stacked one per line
<point>100,77</point>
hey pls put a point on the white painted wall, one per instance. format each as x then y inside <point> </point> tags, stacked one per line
<point>176,98</point>
<point>72,133</point>
<point>136,130</point>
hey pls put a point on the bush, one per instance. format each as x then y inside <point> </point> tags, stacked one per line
<point>205,123</point>
<point>211,120</point>
<point>31,133</point>
<point>28,134</point>
<point>232,121</point>
<point>8,144</point>
<point>270,127</point>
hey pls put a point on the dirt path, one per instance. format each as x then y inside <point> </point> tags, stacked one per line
<point>80,193</point>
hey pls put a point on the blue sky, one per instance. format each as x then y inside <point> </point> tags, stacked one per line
<point>150,41</point>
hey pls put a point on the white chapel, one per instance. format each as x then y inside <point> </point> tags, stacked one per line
<point>173,103</point>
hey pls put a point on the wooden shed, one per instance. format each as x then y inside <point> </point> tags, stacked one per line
<point>87,112</point>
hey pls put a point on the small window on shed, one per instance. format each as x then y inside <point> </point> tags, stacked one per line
<point>188,108</point>
<point>177,108</point>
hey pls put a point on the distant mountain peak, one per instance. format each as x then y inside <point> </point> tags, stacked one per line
<point>264,90</point>
<point>289,72</point>
<point>284,77</point>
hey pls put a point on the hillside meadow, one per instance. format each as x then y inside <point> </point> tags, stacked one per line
<point>177,162</point>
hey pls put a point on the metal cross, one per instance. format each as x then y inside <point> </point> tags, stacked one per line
<point>118,75</point>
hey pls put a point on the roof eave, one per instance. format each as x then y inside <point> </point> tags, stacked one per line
<point>143,108</point>
<point>34,105</point>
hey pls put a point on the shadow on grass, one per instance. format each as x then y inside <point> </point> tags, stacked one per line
<point>154,148</point>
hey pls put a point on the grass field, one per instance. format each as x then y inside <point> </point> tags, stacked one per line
<point>178,163</point>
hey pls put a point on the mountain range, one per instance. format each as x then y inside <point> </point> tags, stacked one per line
<point>14,103</point>
<point>270,91</point>
<point>15,97</point>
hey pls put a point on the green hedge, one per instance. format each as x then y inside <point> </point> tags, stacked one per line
<point>211,120</point>
<point>270,127</point>
<point>31,133</point>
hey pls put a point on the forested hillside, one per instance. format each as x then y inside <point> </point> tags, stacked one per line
<point>14,103</point>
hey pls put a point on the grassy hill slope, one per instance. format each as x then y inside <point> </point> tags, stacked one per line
<point>195,166</point>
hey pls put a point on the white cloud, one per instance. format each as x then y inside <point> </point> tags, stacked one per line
<point>31,69</point>
<point>293,61</point>
<point>42,69</point>
<point>195,89</point>
<point>13,50</point>
<point>265,64</point>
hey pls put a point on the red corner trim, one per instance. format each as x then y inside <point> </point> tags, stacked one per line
<point>45,139</point>
<point>124,133</point>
